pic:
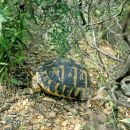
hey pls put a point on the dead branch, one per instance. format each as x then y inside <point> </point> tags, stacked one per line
<point>125,36</point>
<point>125,70</point>
<point>99,55</point>
<point>86,41</point>
<point>113,96</point>
<point>116,100</point>
<point>81,13</point>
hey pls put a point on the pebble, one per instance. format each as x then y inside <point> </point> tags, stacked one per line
<point>51,114</point>
<point>77,127</point>
<point>49,100</point>
<point>43,128</point>
<point>64,123</point>
<point>2,122</point>
<point>55,109</point>
<point>14,114</point>
<point>49,124</point>
<point>58,127</point>
<point>8,127</point>
<point>67,107</point>
<point>48,110</point>
<point>72,110</point>
<point>1,89</point>
<point>76,106</point>
<point>72,127</point>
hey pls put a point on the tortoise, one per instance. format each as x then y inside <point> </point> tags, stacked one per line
<point>64,78</point>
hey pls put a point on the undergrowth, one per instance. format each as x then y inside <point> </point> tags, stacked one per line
<point>12,40</point>
<point>15,20</point>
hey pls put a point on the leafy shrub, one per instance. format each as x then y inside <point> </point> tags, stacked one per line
<point>12,38</point>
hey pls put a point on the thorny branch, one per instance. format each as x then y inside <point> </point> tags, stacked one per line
<point>112,90</point>
<point>103,21</point>
<point>86,41</point>
<point>125,29</point>
<point>99,55</point>
<point>124,72</point>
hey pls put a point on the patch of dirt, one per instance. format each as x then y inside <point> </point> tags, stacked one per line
<point>20,111</point>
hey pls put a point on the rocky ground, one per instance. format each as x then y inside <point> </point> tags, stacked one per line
<point>23,111</point>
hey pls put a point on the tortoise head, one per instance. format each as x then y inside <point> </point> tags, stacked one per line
<point>35,83</point>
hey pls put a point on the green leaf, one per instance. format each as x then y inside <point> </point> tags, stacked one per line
<point>16,82</point>
<point>2,63</point>
<point>2,19</point>
<point>111,103</point>
<point>3,43</point>
<point>18,59</point>
<point>1,70</point>
<point>128,120</point>
<point>92,128</point>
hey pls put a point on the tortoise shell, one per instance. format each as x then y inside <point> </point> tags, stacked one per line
<point>64,78</point>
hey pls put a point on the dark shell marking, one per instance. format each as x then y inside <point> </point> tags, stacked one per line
<point>65,78</point>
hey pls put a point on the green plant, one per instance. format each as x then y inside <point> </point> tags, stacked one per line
<point>12,38</point>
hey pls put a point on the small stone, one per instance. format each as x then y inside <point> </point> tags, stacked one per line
<point>1,89</point>
<point>77,127</point>
<point>71,127</point>
<point>49,124</point>
<point>8,127</point>
<point>2,122</point>
<point>73,111</point>
<point>55,109</point>
<point>67,107</point>
<point>49,100</point>
<point>58,127</point>
<point>49,110</point>
<point>25,102</point>
<point>69,114</point>
<point>43,128</point>
<point>107,105</point>
<point>51,114</point>
<point>64,123</point>
<point>14,114</point>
